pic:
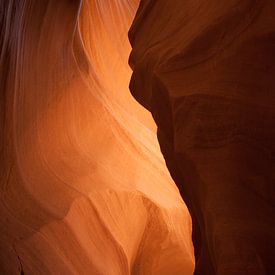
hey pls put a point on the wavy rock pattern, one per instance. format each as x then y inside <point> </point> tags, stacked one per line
<point>84,188</point>
<point>205,70</point>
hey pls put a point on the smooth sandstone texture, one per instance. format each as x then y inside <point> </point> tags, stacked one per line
<point>84,187</point>
<point>205,70</point>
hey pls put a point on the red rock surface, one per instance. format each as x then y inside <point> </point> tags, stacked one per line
<point>205,70</point>
<point>84,187</point>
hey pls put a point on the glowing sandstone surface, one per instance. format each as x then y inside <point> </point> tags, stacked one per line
<point>84,187</point>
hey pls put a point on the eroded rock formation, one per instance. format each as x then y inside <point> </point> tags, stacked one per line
<point>84,187</point>
<point>205,70</point>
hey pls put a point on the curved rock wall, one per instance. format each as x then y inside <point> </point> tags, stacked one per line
<point>205,70</point>
<point>84,188</point>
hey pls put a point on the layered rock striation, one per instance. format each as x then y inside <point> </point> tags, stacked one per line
<point>205,70</point>
<point>84,188</point>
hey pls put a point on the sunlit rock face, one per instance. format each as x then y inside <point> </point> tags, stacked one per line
<point>84,187</point>
<point>205,70</point>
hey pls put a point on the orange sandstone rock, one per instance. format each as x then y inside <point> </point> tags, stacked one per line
<point>84,187</point>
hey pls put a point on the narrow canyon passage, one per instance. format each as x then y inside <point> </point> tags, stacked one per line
<point>84,186</point>
<point>114,111</point>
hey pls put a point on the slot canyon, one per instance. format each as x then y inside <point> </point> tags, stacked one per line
<point>137,137</point>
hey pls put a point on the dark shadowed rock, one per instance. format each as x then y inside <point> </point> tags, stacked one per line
<point>205,70</point>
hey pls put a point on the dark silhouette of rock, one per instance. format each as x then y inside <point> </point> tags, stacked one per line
<point>205,70</point>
